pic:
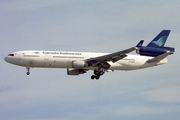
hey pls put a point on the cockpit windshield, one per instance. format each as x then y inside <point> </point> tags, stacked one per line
<point>11,55</point>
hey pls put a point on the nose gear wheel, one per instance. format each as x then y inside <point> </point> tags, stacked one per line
<point>28,69</point>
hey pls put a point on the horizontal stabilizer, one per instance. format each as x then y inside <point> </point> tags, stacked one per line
<point>160,57</point>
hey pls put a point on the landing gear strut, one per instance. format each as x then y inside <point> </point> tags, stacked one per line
<point>97,73</point>
<point>28,69</point>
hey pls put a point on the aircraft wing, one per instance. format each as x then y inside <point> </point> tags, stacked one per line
<point>109,57</point>
<point>160,57</point>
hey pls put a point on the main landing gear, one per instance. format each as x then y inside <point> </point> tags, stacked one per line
<point>97,74</point>
<point>28,69</point>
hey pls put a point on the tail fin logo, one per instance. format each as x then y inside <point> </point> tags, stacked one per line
<point>161,41</point>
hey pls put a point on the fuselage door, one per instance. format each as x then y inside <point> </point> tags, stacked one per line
<point>137,60</point>
<point>18,56</point>
<point>46,57</point>
<point>86,57</point>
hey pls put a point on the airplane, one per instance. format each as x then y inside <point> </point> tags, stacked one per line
<point>78,63</point>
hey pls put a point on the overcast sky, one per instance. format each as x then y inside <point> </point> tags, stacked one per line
<point>88,26</point>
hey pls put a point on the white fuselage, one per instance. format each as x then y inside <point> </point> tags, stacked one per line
<point>63,59</point>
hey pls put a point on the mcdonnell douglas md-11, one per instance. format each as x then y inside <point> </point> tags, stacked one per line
<point>76,63</point>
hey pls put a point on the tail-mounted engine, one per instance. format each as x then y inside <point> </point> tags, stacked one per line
<point>153,51</point>
<point>156,46</point>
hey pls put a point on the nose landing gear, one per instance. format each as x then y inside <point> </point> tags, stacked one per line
<point>28,69</point>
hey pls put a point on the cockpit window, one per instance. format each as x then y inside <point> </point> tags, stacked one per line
<point>11,54</point>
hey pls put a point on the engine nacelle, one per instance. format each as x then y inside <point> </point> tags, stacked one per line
<point>78,64</point>
<point>151,51</point>
<point>71,71</point>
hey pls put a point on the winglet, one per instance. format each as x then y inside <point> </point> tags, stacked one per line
<point>140,43</point>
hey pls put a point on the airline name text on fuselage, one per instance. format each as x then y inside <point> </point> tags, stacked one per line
<point>63,53</point>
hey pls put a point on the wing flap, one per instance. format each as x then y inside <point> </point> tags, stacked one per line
<point>110,57</point>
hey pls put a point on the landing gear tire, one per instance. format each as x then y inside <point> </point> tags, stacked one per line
<point>97,77</point>
<point>101,72</point>
<point>28,73</point>
<point>93,76</point>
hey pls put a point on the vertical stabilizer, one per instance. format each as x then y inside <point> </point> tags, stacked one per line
<point>160,39</point>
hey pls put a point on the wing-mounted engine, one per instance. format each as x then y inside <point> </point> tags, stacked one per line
<point>79,64</point>
<point>77,67</point>
<point>72,71</point>
<point>153,51</point>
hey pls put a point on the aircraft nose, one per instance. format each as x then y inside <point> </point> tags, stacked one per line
<point>6,59</point>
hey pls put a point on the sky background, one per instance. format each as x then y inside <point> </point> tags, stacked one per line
<point>88,26</point>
